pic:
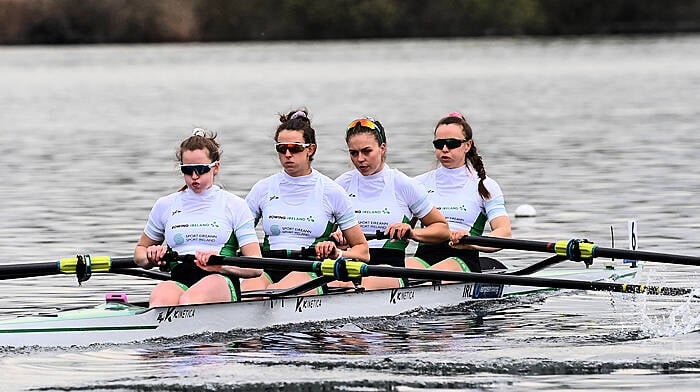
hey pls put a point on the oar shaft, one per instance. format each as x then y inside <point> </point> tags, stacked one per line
<point>646,256</point>
<point>355,269</point>
<point>509,243</point>
<point>594,250</point>
<point>271,263</point>
<point>64,266</point>
<point>387,271</point>
<point>13,271</point>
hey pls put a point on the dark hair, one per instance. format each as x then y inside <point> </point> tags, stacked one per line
<point>201,139</point>
<point>297,120</point>
<point>379,134</point>
<point>472,156</point>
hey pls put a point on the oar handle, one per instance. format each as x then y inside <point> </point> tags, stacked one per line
<point>303,254</point>
<point>380,235</point>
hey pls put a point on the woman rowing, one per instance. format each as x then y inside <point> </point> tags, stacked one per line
<point>386,200</point>
<point>464,194</point>
<point>200,219</point>
<point>300,207</point>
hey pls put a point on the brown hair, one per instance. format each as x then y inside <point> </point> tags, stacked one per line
<point>201,139</point>
<point>379,134</point>
<point>297,120</point>
<point>472,156</point>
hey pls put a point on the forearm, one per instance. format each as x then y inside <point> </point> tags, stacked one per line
<point>141,252</point>
<point>140,257</point>
<point>358,252</point>
<point>503,232</point>
<point>434,233</point>
<point>242,272</point>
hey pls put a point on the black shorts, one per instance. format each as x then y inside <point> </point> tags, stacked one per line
<point>434,253</point>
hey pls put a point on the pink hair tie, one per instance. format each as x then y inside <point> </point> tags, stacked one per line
<point>456,114</point>
<point>298,114</point>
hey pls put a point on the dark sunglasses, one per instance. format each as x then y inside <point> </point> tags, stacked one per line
<point>294,147</point>
<point>439,144</point>
<point>199,168</point>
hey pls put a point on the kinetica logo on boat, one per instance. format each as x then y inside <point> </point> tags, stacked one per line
<point>397,295</point>
<point>306,303</point>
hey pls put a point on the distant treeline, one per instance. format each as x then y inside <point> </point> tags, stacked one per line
<point>130,21</point>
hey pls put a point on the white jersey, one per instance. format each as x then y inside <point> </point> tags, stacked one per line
<point>188,221</point>
<point>455,193</point>
<point>384,198</point>
<point>299,211</point>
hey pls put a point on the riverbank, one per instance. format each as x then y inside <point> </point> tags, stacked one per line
<point>137,21</point>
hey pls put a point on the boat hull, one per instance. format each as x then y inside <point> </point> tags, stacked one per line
<point>116,322</point>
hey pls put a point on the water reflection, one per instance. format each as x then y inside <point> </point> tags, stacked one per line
<point>590,131</point>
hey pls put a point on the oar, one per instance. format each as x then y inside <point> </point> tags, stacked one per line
<point>380,235</point>
<point>576,249</point>
<point>83,266</point>
<point>346,270</point>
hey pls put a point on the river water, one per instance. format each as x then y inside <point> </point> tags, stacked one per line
<point>592,132</point>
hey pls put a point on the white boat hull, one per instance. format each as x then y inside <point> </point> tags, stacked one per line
<point>116,322</point>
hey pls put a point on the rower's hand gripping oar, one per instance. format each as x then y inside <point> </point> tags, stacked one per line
<point>380,235</point>
<point>576,249</point>
<point>348,270</point>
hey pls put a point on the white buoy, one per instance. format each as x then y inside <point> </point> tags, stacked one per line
<point>525,211</point>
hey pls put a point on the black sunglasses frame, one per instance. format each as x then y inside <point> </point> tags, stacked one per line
<point>451,143</point>
<point>200,169</point>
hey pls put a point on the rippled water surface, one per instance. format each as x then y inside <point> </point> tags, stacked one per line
<point>592,132</point>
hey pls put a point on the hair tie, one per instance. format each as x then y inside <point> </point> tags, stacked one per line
<point>199,132</point>
<point>297,114</point>
<point>456,114</point>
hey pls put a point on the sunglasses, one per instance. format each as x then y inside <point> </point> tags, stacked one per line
<point>294,147</point>
<point>450,143</point>
<point>367,123</point>
<point>199,168</point>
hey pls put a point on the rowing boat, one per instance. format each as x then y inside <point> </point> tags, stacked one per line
<point>117,321</point>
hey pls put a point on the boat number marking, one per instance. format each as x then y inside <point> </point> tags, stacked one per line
<point>174,313</point>
<point>397,295</point>
<point>278,301</point>
<point>306,303</point>
<point>468,291</point>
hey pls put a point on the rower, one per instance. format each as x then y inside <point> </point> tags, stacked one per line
<point>299,207</point>
<point>386,201</point>
<point>465,195</point>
